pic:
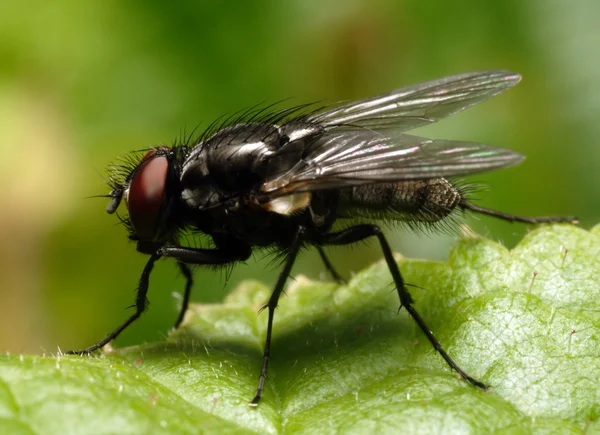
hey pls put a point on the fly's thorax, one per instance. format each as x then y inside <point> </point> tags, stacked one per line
<point>296,131</point>
<point>231,158</point>
<point>238,160</point>
<point>421,200</point>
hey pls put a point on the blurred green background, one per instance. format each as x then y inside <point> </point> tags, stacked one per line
<point>84,82</point>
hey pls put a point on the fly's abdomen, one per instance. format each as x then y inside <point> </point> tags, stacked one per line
<point>425,201</point>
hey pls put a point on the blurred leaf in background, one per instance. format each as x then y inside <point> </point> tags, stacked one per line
<point>84,82</point>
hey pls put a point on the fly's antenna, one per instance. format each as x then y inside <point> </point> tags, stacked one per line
<point>97,196</point>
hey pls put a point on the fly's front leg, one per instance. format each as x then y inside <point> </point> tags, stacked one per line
<point>189,282</point>
<point>272,304</point>
<point>361,232</point>
<point>336,276</point>
<point>140,306</point>
<point>183,255</point>
<point>466,205</point>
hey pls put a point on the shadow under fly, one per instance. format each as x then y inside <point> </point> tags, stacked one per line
<point>280,179</point>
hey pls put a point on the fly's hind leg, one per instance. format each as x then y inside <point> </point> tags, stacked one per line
<point>466,205</point>
<point>361,232</point>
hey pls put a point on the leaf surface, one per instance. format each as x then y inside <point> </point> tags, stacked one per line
<point>525,321</point>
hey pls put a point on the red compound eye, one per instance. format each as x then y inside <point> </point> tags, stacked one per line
<point>146,193</point>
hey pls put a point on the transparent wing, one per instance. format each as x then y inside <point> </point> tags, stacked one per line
<point>361,157</point>
<point>418,105</point>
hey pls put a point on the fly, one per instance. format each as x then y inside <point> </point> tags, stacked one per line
<point>282,179</point>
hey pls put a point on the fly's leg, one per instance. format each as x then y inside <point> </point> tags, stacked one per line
<point>189,281</point>
<point>272,304</point>
<point>223,255</point>
<point>182,255</point>
<point>466,205</point>
<point>140,306</point>
<point>361,232</point>
<point>336,276</point>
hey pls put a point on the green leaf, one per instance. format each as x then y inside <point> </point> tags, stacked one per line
<point>525,321</point>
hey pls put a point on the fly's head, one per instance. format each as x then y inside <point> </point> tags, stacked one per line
<point>149,184</point>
